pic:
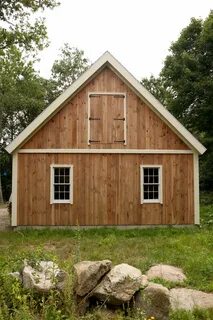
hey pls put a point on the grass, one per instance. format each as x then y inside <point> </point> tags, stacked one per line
<point>188,248</point>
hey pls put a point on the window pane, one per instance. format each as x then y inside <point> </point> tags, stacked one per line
<point>146,195</point>
<point>56,195</point>
<point>61,171</point>
<point>145,179</point>
<point>67,171</point>
<point>61,180</point>
<point>145,171</point>
<point>156,188</point>
<point>61,195</point>
<point>151,171</point>
<point>146,187</point>
<point>155,171</point>
<point>155,195</point>
<point>67,195</point>
<point>67,179</point>
<point>56,171</point>
<point>67,188</point>
<point>56,187</point>
<point>61,188</point>
<point>155,179</point>
<point>56,179</point>
<point>151,179</point>
<point>151,187</point>
<point>151,195</point>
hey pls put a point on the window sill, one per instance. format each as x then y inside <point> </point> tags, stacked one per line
<point>151,201</point>
<point>62,202</point>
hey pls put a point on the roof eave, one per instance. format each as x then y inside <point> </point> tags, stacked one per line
<point>154,104</point>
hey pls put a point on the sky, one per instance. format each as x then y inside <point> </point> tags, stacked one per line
<point>137,32</point>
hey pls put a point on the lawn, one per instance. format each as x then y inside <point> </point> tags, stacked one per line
<point>188,248</point>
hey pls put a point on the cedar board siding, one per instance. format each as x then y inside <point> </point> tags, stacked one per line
<point>106,190</point>
<point>69,127</point>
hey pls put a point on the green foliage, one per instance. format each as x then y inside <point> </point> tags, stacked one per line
<point>67,68</point>
<point>19,25</point>
<point>195,315</point>
<point>22,98</point>
<point>206,198</point>
<point>22,95</point>
<point>157,87</point>
<point>6,173</point>
<point>185,86</point>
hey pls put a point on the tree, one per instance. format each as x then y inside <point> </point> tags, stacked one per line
<point>19,25</point>
<point>22,98</point>
<point>156,87</point>
<point>187,78</point>
<point>21,94</point>
<point>22,34</point>
<point>67,69</point>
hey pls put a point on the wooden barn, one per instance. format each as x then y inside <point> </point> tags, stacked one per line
<point>105,153</point>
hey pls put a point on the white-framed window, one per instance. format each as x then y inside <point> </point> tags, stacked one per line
<point>151,183</point>
<point>61,179</point>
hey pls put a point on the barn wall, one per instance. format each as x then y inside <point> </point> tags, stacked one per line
<point>69,127</point>
<point>106,190</point>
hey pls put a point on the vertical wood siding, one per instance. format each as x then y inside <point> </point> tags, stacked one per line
<point>106,190</point>
<point>68,128</point>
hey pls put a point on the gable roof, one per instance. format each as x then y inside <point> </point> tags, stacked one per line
<point>108,60</point>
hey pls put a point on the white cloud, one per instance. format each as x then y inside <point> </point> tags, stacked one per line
<point>137,32</point>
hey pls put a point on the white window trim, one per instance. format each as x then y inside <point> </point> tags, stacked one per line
<point>160,199</point>
<point>105,93</point>
<point>52,200</point>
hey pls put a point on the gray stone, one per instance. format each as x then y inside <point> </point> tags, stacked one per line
<point>144,281</point>
<point>154,300</point>
<point>88,274</point>
<point>44,277</point>
<point>166,272</point>
<point>188,299</point>
<point>119,285</point>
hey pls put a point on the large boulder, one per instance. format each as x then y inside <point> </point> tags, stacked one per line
<point>43,277</point>
<point>88,275</point>
<point>166,272</point>
<point>188,299</point>
<point>119,285</point>
<point>154,300</point>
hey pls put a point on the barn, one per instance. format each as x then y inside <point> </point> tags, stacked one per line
<point>105,153</point>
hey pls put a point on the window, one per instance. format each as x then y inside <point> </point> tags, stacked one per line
<point>61,184</point>
<point>151,184</point>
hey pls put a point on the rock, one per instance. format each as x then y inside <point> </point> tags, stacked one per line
<point>61,278</point>
<point>154,300</point>
<point>119,285</point>
<point>188,299</point>
<point>166,272</point>
<point>144,281</point>
<point>88,274</point>
<point>16,275</point>
<point>44,277</point>
<point>82,305</point>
